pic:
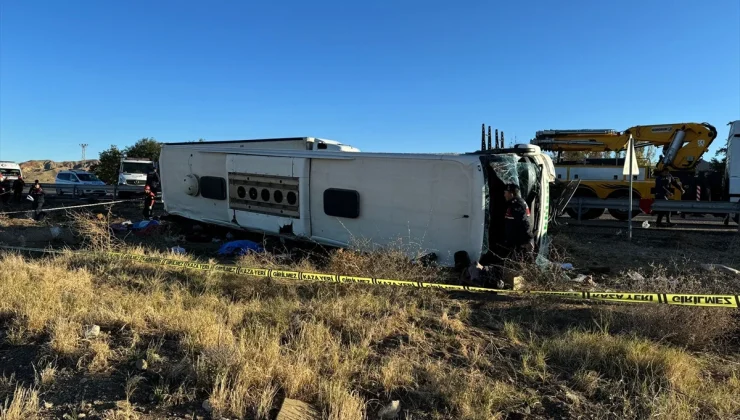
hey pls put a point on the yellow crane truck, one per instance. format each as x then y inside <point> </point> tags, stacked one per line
<point>683,144</point>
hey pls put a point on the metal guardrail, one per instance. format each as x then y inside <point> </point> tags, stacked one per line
<point>77,190</point>
<point>714,207</point>
<point>657,205</point>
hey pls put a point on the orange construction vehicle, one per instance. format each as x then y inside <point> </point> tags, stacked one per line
<point>683,144</point>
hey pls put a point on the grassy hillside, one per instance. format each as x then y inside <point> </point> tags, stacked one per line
<point>46,170</point>
<point>175,343</point>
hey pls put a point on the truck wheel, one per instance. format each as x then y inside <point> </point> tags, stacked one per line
<point>586,213</point>
<point>621,214</point>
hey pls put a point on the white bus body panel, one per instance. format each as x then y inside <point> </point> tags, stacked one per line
<point>277,167</point>
<point>733,160</point>
<point>422,203</point>
<point>288,143</point>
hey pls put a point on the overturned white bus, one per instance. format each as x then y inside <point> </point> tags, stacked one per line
<point>433,203</point>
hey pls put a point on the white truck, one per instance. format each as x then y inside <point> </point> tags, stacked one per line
<point>10,170</point>
<point>338,196</point>
<point>732,168</point>
<point>133,172</point>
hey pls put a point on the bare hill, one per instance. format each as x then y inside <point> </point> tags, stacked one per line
<point>46,170</point>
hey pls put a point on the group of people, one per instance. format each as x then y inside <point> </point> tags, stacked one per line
<point>16,189</point>
<point>36,193</point>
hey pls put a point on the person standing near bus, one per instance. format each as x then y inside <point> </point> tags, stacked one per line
<point>37,193</point>
<point>663,191</point>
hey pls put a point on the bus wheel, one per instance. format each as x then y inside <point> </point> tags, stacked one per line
<point>622,214</point>
<point>586,212</point>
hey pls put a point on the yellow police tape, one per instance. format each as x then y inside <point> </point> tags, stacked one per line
<point>725,301</point>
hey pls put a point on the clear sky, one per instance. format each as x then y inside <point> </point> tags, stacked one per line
<point>396,76</point>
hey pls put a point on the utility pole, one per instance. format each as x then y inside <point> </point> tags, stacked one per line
<point>84,146</point>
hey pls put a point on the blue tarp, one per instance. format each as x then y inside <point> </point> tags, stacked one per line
<point>144,223</point>
<point>239,247</point>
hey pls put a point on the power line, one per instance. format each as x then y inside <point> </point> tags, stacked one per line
<point>84,146</point>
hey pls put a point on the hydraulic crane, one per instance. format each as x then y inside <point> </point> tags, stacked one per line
<point>683,144</point>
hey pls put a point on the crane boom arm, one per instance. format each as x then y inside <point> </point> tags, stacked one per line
<point>683,143</point>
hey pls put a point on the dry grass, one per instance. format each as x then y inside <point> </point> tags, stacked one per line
<point>646,371</point>
<point>94,231</point>
<point>243,344</point>
<point>23,405</point>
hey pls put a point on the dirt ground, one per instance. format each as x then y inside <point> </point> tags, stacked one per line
<point>183,344</point>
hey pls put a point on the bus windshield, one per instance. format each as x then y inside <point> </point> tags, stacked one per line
<point>137,167</point>
<point>10,172</point>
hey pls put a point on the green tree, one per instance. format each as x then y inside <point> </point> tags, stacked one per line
<point>146,148</point>
<point>107,168</point>
<point>719,161</point>
<point>110,160</point>
<point>645,155</point>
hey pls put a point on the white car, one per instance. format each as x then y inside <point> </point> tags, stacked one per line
<point>79,183</point>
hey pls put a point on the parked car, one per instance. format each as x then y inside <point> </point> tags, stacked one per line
<point>79,183</point>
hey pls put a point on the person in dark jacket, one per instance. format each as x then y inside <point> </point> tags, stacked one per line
<point>149,197</point>
<point>7,186</point>
<point>3,191</point>
<point>518,236</point>
<point>18,186</point>
<point>153,181</point>
<point>37,193</point>
<point>663,184</point>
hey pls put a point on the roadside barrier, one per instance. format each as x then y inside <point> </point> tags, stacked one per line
<point>680,299</point>
<point>43,210</point>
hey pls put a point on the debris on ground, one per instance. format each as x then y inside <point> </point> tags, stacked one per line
<point>177,250</point>
<point>122,227</point>
<point>722,268</point>
<point>142,364</point>
<point>390,411</point>
<point>566,266</point>
<point>582,278</point>
<point>635,276</point>
<point>92,331</point>
<point>241,247</point>
<point>297,410</point>
<point>145,227</point>
<point>514,283</point>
